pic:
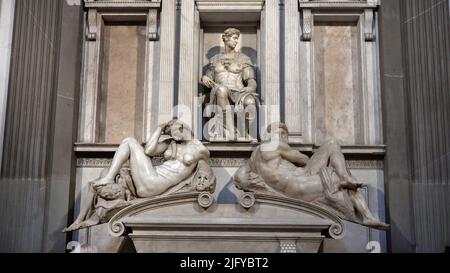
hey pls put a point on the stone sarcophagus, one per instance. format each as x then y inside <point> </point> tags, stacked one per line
<point>182,223</point>
<point>289,202</point>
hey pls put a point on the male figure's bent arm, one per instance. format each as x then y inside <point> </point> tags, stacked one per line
<point>293,156</point>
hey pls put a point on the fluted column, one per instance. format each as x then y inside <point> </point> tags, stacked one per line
<point>414,45</point>
<point>187,79</point>
<point>270,27</point>
<point>295,97</point>
<point>426,30</point>
<point>167,61</point>
<point>24,178</point>
<point>6,30</point>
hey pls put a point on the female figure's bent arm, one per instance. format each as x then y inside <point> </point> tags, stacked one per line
<point>153,146</point>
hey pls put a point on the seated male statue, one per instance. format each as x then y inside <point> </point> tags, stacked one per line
<point>232,81</point>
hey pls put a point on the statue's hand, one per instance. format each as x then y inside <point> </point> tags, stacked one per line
<point>163,127</point>
<point>249,90</point>
<point>208,82</point>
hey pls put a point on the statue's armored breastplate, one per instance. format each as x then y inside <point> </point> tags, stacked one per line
<point>229,79</point>
<point>228,71</point>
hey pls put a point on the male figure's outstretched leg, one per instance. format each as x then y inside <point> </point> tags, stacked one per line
<point>361,206</point>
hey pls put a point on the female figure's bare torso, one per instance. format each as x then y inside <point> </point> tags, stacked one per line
<point>179,165</point>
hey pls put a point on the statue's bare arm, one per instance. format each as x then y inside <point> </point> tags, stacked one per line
<point>208,79</point>
<point>249,77</point>
<point>153,146</point>
<point>293,155</point>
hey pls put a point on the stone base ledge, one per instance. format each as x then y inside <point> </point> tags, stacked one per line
<point>378,150</point>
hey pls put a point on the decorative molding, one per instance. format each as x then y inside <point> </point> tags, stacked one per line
<point>94,6</point>
<point>227,162</point>
<point>288,246</point>
<point>152,25</point>
<point>222,162</point>
<point>309,8</point>
<point>368,25</point>
<point>343,4</point>
<point>365,164</point>
<point>92,25</point>
<point>123,4</point>
<point>94,162</point>
<point>308,23</point>
<point>247,200</point>
<point>205,200</point>
<point>156,161</point>
<point>361,150</point>
<point>230,5</point>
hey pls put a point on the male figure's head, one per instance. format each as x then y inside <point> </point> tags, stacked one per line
<point>231,37</point>
<point>278,131</point>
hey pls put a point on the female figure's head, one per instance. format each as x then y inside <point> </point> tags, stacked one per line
<point>178,130</point>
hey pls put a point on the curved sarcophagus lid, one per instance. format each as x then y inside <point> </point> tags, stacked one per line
<point>309,215</point>
<point>193,215</point>
<point>141,213</point>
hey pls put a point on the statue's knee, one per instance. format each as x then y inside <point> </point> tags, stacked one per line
<point>222,92</point>
<point>249,101</point>
<point>129,140</point>
<point>126,140</point>
<point>332,142</point>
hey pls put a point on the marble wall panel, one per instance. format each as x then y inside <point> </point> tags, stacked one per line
<point>122,82</point>
<point>336,84</point>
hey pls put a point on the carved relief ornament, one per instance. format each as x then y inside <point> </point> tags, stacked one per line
<point>97,8</point>
<point>366,8</point>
